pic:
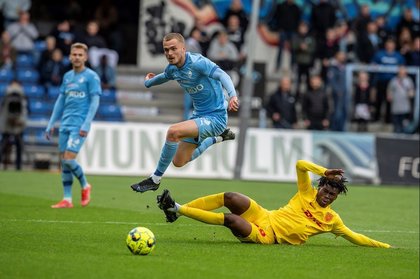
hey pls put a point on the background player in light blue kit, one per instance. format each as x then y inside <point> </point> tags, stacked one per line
<point>75,107</point>
<point>204,81</point>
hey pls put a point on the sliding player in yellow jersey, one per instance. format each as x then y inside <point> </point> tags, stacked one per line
<point>308,213</point>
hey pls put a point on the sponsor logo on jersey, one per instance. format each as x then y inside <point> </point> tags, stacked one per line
<point>311,217</point>
<point>192,90</point>
<point>76,94</point>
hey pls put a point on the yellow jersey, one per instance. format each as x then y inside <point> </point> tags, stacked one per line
<point>303,217</point>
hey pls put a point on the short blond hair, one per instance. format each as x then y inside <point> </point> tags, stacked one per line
<point>79,45</point>
<point>176,36</point>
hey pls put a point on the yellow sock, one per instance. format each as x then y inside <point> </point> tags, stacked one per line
<point>210,202</point>
<point>202,215</point>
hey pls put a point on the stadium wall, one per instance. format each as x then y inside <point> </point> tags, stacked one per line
<point>270,154</point>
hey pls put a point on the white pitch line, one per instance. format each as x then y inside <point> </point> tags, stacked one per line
<point>159,224</point>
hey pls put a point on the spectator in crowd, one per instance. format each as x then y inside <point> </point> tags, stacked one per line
<point>303,47</point>
<point>413,56</point>
<point>13,118</point>
<point>65,36</point>
<point>399,93</point>
<point>7,52</point>
<point>386,57</point>
<point>362,102</point>
<point>53,69</point>
<point>368,43</point>
<point>106,14</point>
<point>223,52</point>
<point>337,84</point>
<point>407,21</point>
<point>315,106</point>
<point>323,17</point>
<point>23,33</point>
<point>404,42</point>
<point>281,107</point>
<point>92,38</point>
<point>192,43</point>
<point>46,54</point>
<point>106,73</point>
<point>286,19</point>
<point>327,51</point>
<point>11,10</point>
<point>235,33</point>
<point>362,20</point>
<point>346,40</point>
<point>236,8</point>
<point>383,31</point>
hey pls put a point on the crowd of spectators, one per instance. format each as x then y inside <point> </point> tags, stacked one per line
<point>320,46</point>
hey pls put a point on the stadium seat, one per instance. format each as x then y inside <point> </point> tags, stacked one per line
<point>6,75</point>
<point>108,96</point>
<point>24,61</point>
<point>34,91</point>
<point>27,76</point>
<point>40,108</point>
<point>40,45</point>
<point>53,92</point>
<point>110,112</point>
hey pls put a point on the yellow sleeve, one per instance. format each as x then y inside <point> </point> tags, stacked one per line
<point>357,238</point>
<point>302,169</point>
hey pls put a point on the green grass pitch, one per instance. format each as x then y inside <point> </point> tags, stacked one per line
<point>39,242</point>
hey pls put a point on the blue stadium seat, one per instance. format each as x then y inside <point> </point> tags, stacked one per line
<point>40,45</point>
<point>34,91</point>
<point>6,75</point>
<point>110,112</point>
<point>40,108</point>
<point>108,96</point>
<point>27,76</point>
<point>53,92</point>
<point>3,87</point>
<point>24,61</point>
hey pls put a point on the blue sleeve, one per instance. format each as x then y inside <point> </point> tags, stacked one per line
<point>226,81</point>
<point>94,104</point>
<point>94,85</point>
<point>57,111</point>
<point>156,80</point>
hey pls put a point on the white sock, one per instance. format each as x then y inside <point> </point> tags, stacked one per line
<point>219,139</point>
<point>175,208</point>
<point>68,199</point>
<point>156,179</point>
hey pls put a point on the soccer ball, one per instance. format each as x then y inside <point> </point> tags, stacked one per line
<point>140,241</point>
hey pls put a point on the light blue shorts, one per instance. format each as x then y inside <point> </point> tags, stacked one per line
<point>70,140</point>
<point>208,126</point>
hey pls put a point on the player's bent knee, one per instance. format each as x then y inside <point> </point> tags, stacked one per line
<point>173,134</point>
<point>179,163</point>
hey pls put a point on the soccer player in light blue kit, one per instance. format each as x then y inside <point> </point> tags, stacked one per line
<point>75,107</point>
<point>204,81</point>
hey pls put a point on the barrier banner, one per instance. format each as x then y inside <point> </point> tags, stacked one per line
<point>398,160</point>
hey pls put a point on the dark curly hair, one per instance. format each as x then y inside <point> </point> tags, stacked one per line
<point>338,182</point>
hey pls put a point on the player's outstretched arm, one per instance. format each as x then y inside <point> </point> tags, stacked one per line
<point>358,238</point>
<point>152,79</point>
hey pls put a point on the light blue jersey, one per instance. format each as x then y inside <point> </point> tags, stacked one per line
<point>77,90</point>
<point>196,78</point>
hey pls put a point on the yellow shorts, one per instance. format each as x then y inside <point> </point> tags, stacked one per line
<point>261,228</point>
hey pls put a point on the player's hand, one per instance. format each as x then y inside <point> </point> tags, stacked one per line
<point>233,104</point>
<point>149,76</point>
<point>49,134</point>
<point>83,134</point>
<point>334,174</point>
